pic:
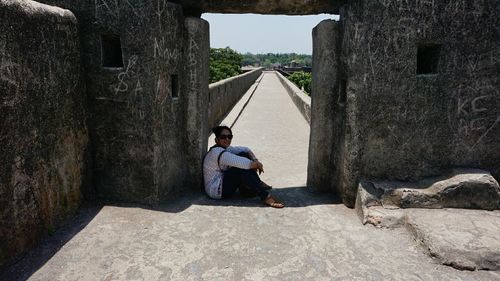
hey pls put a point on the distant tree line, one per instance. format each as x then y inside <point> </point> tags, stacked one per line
<point>270,59</point>
<point>226,62</point>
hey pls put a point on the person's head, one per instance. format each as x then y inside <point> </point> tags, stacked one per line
<point>223,135</point>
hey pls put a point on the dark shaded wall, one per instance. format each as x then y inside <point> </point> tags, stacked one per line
<point>137,109</point>
<point>43,134</point>
<point>136,118</point>
<point>400,125</point>
<point>289,7</point>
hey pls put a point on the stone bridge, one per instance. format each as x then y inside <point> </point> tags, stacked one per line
<point>195,238</point>
<point>109,100</point>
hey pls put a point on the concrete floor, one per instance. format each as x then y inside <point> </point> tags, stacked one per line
<point>195,238</point>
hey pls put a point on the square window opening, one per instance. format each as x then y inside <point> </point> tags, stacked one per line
<point>111,50</point>
<point>428,58</point>
<point>174,80</point>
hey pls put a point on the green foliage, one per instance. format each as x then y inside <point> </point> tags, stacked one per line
<point>302,80</point>
<point>266,60</point>
<point>224,63</point>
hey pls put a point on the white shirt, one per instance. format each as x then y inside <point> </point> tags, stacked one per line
<point>213,174</point>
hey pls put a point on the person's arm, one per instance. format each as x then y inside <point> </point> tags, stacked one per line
<point>252,155</point>
<point>256,165</point>
<point>229,159</point>
<point>238,149</point>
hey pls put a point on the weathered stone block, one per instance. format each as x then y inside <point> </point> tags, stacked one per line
<point>370,210</point>
<point>463,239</point>
<point>327,109</point>
<point>138,98</point>
<point>290,7</point>
<point>198,49</point>
<point>466,189</point>
<point>405,121</point>
<point>43,134</point>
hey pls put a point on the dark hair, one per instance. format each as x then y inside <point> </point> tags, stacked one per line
<point>218,130</point>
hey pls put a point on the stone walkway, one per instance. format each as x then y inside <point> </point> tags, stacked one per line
<point>314,238</point>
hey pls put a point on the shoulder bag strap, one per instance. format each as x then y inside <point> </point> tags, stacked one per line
<point>218,159</point>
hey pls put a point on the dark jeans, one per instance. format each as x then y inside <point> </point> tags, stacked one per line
<point>247,181</point>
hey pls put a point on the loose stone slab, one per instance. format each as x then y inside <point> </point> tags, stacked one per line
<point>464,239</point>
<point>370,210</point>
<point>464,188</point>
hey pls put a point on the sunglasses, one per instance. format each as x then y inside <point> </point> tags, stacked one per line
<point>223,137</point>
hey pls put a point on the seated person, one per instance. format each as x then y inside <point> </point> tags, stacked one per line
<point>227,169</point>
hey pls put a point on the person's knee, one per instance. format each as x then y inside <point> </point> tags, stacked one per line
<point>250,173</point>
<point>244,154</point>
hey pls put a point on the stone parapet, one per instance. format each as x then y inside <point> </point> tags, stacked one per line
<point>43,131</point>
<point>299,98</point>
<point>327,114</point>
<point>224,94</point>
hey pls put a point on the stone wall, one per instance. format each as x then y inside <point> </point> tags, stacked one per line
<point>299,98</point>
<point>289,7</point>
<point>134,54</point>
<point>327,113</point>
<point>147,89</point>
<point>43,135</point>
<point>224,94</point>
<point>197,70</point>
<point>422,89</point>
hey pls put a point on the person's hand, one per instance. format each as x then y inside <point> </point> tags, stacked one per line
<point>260,168</point>
<point>256,165</point>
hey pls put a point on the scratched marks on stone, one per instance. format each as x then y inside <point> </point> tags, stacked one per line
<point>166,15</point>
<point>161,89</point>
<point>10,71</point>
<point>472,63</point>
<point>161,50</point>
<point>106,7</point>
<point>127,82</point>
<point>402,6</point>
<point>474,112</point>
<point>137,106</point>
<point>193,50</point>
<point>113,8</point>
<point>122,85</point>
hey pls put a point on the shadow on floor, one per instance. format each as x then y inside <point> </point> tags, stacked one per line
<point>292,197</point>
<point>29,263</point>
<point>26,266</point>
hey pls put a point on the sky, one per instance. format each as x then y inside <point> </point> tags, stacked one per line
<point>259,34</point>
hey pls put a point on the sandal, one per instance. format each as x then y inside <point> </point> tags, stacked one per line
<point>265,185</point>
<point>272,202</point>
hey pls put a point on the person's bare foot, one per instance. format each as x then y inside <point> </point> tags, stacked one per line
<point>272,202</point>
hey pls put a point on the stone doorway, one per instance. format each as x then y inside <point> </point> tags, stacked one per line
<point>325,70</point>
